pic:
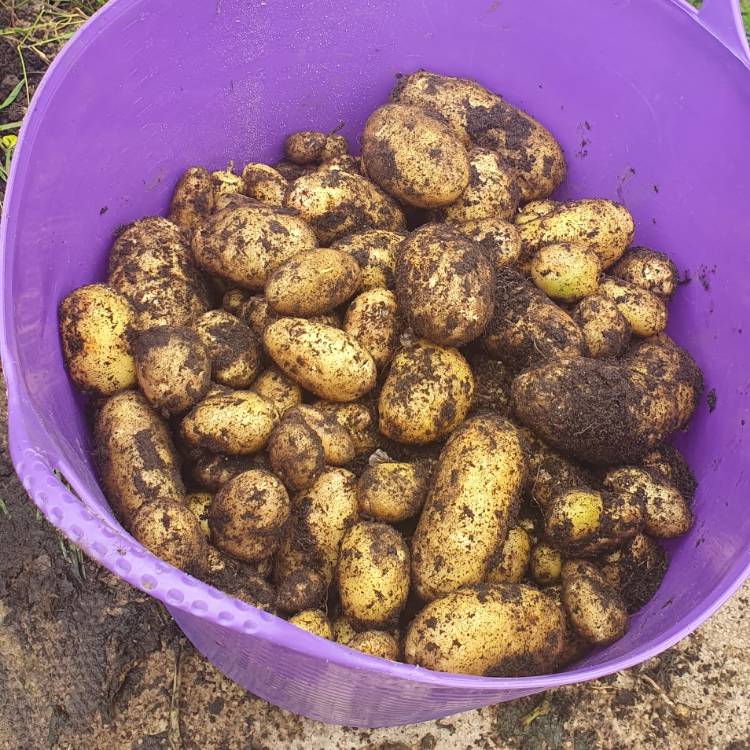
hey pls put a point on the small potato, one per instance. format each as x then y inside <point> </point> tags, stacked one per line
<point>171,532</point>
<point>296,452</point>
<point>282,392</point>
<point>566,272</point>
<point>375,252</point>
<point>304,146</point>
<point>545,564</point>
<point>322,359</point>
<point>292,171</point>
<point>313,282</point>
<point>375,643</point>
<point>605,331</point>
<point>234,349</point>
<point>668,466</point>
<point>344,162</point>
<point>239,580</point>
<point>575,647</point>
<point>248,515</point>
<point>313,621</point>
<point>96,325</point>
<point>198,504</point>
<point>343,630</point>
<point>245,244</point>
<point>593,607</point>
<point>373,574</point>
<point>334,147</point>
<point>338,446</point>
<point>493,629</point>
<point>264,184</point>
<point>393,492</point>
<point>256,312</point>
<point>493,191</point>
<point>192,201</point>
<point>234,423</point>
<point>373,320</point>
<point>357,419</point>
<point>234,300</point>
<point>303,589</point>
<point>649,270</point>
<point>513,558</point>
<point>426,395</point>
<point>498,239</point>
<point>228,201</point>
<point>212,471</point>
<point>226,182</point>
<point>444,285</point>
<point>645,312</point>
<point>414,156</point>
<point>173,368</point>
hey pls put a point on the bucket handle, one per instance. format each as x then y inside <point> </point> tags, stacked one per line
<point>723,19</point>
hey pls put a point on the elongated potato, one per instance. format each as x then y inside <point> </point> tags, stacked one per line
<point>192,201</point>
<point>296,451</point>
<point>313,621</point>
<point>392,492</point>
<point>282,392</point>
<point>475,494</point>
<point>566,271</point>
<point>649,270</point>
<point>605,331</point>
<point>498,239</point>
<point>320,358</point>
<point>512,559</point>
<point>264,184</point>
<point>373,320</point>
<point>493,629</point>
<point>375,643</point>
<point>427,393</point>
<point>645,312</point>
<point>96,326</point>
<point>375,252</point>
<point>135,455</point>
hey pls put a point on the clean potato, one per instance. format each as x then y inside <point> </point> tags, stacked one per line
<point>606,332</point>
<point>375,253</point>
<point>391,491</point>
<point>644,311</point>
<point>374,321</point>
<point>649,270</point>
<point>566,271</point>
<point>499,240</point>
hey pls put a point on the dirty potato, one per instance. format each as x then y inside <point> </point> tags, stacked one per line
<point>644,311</point>
<point>512,559</point>
<point>337,442</point>
<point>491,383</point>
<point>304,146</point>
<point>343,630</point>
<point>392,492</point>
<point>375,253</point>
<point>649,270</point>
<point>375,643</point>
<point>224,182</point>
<point>313,621</point>
<point>302,589</point>
<point>192,200</point>
<point>198,504</point>
<point>606,333</point>
<point>566,271</point>
<point>374,321</point>
<point>296,452</point>
<point>667,465</point>
<point>357,419</point>
<point>264,184</point>
<point>211,471</point>
<point>545,564</point>
<point>498,239</point>
<point>282,392</point>
<point>234,299</point>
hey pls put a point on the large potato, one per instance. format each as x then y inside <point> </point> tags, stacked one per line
<point>375,253</point>
<point>427,393</point>
<point>414,156</point>
<point>498,239</point>
<point>374,321</point>
<point>245,244</point>
<point>96,325</point>
<point>475,494</point>
<point>192,201</point>
<point>498,630</point>
<point>323,359</point>
<point>444,285</point>
<point>392,492</point>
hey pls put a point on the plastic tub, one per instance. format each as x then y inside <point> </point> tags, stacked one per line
<point>651,109</point>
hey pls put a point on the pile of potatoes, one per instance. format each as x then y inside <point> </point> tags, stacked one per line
<point>405,399</point>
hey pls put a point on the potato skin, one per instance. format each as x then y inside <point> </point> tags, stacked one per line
<point>313,282</point>
<point>374,321</point>
<point>322,359</point>
<point>474,496</point>
<point>428,392</point>
<point>606,333</point>
<point>499,240</point>
<point>264,184</point>
<point>648,269</point>
<point>296,452</point>
<point>282,392</point>
<point>96,328</point>
<point>414,156</point>
<point>444,285</point>
<point>393,492</point>
<point>566,271</point>
<point>545,564</point>
<point>357,419</point>
<point>512,559</point>
<point>375,253</point>
<point>375,643</point>
<point>304,146</point>
<point>192,200</point>
<point>343,630</point>
<point>198,504</point>
<point>211,471</point>
<point>135,455</point>
<point>233,300</point>
<point>248,515</point>
<point>373,574</point>
<point>313,621</point>
<point>644,311</point>
<point>337,442</point>
<point>498,630</point>
<point>302,589</point>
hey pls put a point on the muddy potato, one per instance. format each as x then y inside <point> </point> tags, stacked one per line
<point>240,580</point>
<point>282,392</point>
<point>343,630</point>
<point>493,629</point>
<point>234,423</point>
<point>545,564</point>
<point>513,558</point>
<point>256,312</point>
<point>171,532</point>
<point>292,171</point>
<point>392,492</point>
<point>474,496</point>
<point>498,239</point>
<point>313,282</point>
<point>606,333</point>
<point>313,621</point>
<point>192,200</point>
<point>135,455</point>
<point>358,419</point>
<point>302,589</point>
<point>644,311</point>
<point>649,270</point>
<point>414,156</point>
<point>374,321</point>
<point>296,452</point>
<point>198,504</point>
<point>565,271</point>
<point>264,184</point>
<point>427,393</point>
<point>211,471</point>
<point>304,146</point>
<point>337,442</point>
<point>375,643</point>
<point>373,574</point>
<point>336,203</point>
<point>667,465</point>
<point>245,244</point>
<point>248,515</point>
<point>226,182</point>
<point>96,325</point>
<point>227,201</point>
<point>344,162</point>
<point>574,647</point>
<point>375,253</point>
<point>234,299</point>
<point>322,359</point>
<point>592,606</point>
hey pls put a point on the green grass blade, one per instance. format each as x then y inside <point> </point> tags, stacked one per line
<point>13,95</point>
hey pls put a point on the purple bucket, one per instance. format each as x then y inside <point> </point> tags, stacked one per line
<point>651,102</point>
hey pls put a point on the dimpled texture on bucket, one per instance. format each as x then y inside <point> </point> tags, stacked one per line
<point>651,109</point>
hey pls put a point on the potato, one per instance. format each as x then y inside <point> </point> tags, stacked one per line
<point>234,299</point>
<point>566,271</point>
<point>233,348</point>
<point>248,515</point>
<point>282,392</point>
<point>322,359</point>
<point>392,492</point>
<point>357,419</point>
<point>245,244</point>
<point>291,171</point>
<point>227,201</point>
<point>336,203</point>
<point>427,393</point>
<point>513,558</point>
<point>375,252</point>
<point>192,200</point>
<point>527,329</point>
<point>212,471</point>
<point>239,580</point>
<point>135,456</point>
<point>374,321</point>
<point>644,311</point>
<point>313,282</point>
<point>414,156</point>
<point>171,532</point>
<point>474,496</point>
<point>375,643</point>
<point>334,147</point>
<point>226,182</point>
<point>296,452</point>
<point>96,325</point>
<point>493,191</point>
<point>337,442</point>
<point>234,423</point>
<point>485,119</point>
<point>264,184</point>
<point>606,333</point>
<point>545,564</point>
<point>313,621</point>
<point>344,162</point>
<point>304,146</point>
<point>256,312</point>
<point>593,607</point>
<point>575,647</point>
<point>493,629</point>
<point>498,239</point>
<point>649,270</point>
<point>373,575</point>
<point>198,504</point>
<point>668,466</point>
<point>603,226</point>
<point>343,630</point>
<point>303,589</point>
